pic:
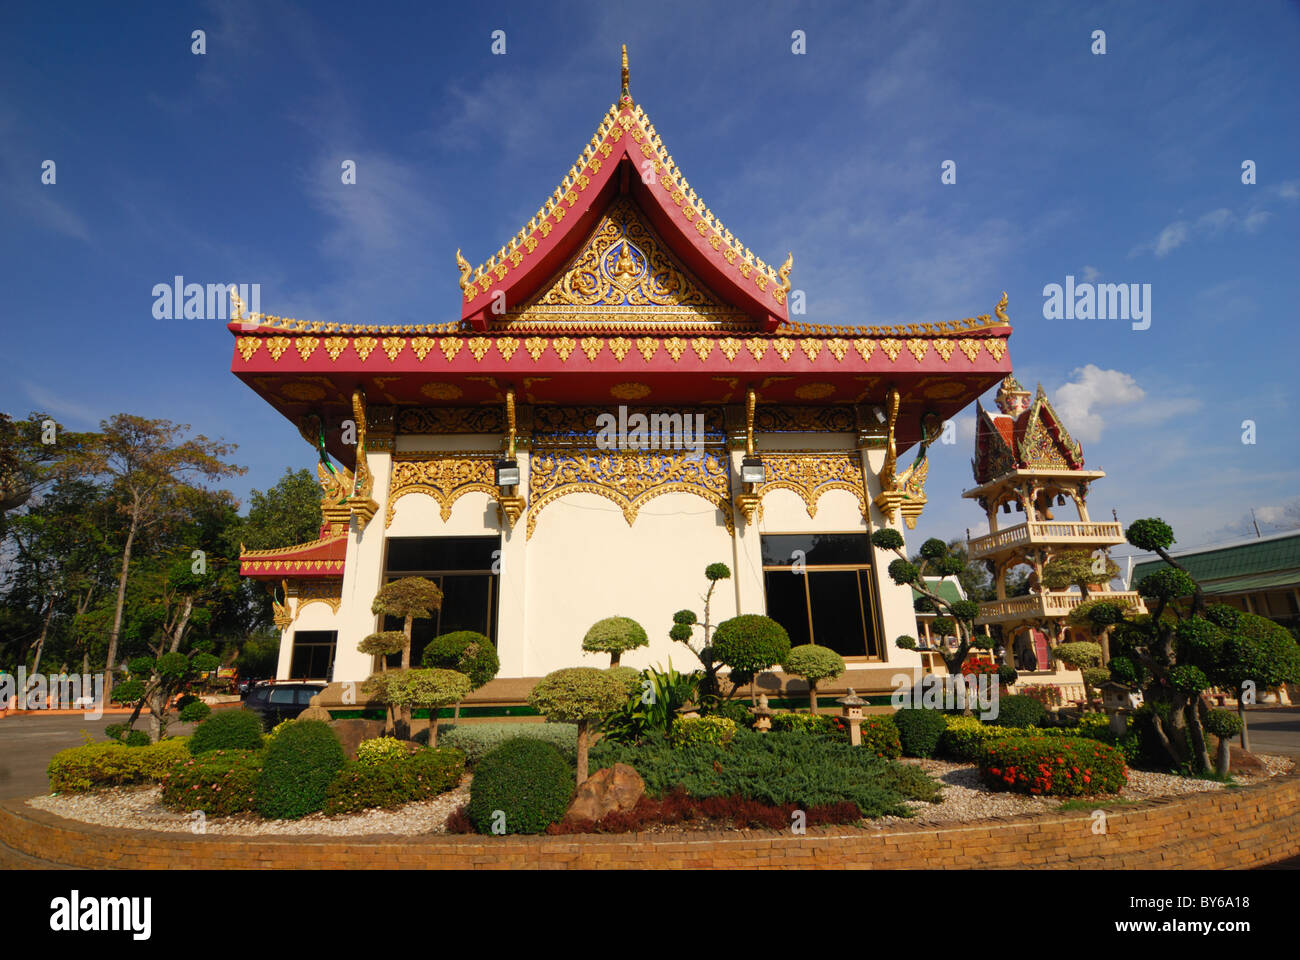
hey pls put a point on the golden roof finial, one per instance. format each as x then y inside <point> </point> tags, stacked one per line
<point>1001,309</point>
<point>463,265</point>
<point>625,96</point>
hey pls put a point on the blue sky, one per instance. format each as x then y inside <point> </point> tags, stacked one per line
<point>1117,168</point>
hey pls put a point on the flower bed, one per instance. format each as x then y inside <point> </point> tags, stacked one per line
<point>1052,766</point>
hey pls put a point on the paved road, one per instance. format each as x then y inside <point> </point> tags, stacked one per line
<point>27,744</point>
<point>1274,730</point>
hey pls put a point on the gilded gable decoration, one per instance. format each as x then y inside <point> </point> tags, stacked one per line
<point>444,476</point>
<point>810,473</point>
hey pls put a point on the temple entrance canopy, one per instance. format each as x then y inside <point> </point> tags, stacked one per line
<point>624,290</point>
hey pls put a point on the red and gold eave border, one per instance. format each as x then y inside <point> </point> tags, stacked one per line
<point>318,559</point>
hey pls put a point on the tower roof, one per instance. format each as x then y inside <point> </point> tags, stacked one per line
<point>1035,438</point>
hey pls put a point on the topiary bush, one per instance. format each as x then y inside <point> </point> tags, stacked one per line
<point>1078,655</point>
<point>523,786</point>
<point>227,730</point>
<point>965,738</point>
<point>113,765</point>
<point>466,651</point>
<point>689,731</point>
<point>1018,710</point>
<point>300,764</point>
<point>220,783</point>
<point>380,750</point>
<point>422,775</point>
<point>1094,677</point>
<point>919,731</point>
<point>630,677</point>
<point>1052,766</point>
<point>581,695</point>
<point>479,739</point>
<point>814,663</point>
<point>196,711</point>
<point>614,635</point>
<point>1223,724</point>
<point>749,644</point>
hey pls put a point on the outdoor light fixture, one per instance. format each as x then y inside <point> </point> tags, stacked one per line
<point>880,414</point>
<point>507,473</point>
<point>752,470</point>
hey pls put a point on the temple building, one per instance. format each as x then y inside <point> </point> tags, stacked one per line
<point>1027,463</point>
<point>623,400</point>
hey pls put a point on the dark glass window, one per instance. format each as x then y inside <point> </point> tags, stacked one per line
<point>462,569</point>
<point>829,601</point>
<point>313,655</point>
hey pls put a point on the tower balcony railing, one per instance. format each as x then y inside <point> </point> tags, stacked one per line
<point>1052,603</point>
<point>1032,532</point>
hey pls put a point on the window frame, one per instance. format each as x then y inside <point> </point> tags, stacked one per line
<point>868,606</point>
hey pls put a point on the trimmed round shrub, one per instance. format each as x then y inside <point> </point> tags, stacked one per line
<point>1053,766</point>
<point>383,644</point>
<point>691,731</point>
<point>185,700</point>
<point>196,711</point>
<point>227,730</point>
<point>887,538</point>
<point>418,776</point>
<point>220,783</point>
<point>717,571</point>
<point>905,642</point>
<point>137,738</point>
<point>919,731</point>
<point>965,737</point>
<point>1150,534</point>
<point>813,662</point>
<point>1095,676</point>
<point>1018,710</point>
<point>750,642</point>
<point>614,635</point>
<point>465,651</point>
<point>1007,674</point>
<point>628,676</point>
<point>1188,679</point>
<point>523,786</point>
<point>300,764</point>
<point>380,750</point>
<point>1222,723</point>
<point>1078,655</point>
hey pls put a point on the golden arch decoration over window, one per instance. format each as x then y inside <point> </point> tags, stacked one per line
<point>810,473</point>
<point>629,479</point>
<point>444,476</point>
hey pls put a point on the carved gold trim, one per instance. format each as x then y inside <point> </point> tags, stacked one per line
<point>810,473</point>
<point>444,476</point>
<point>629,479</point>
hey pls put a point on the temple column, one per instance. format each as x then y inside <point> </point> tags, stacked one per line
<point>747,551</point>
<point>512,634</point>
<point>897,615</point>
<point>363,575</point>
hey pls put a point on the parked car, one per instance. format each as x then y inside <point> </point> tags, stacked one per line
<point>246,684</point>
<point>276,701</point>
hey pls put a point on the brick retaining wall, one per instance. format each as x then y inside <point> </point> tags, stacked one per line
<point>1222,829</point>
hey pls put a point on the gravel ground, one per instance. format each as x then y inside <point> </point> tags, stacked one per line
<point>965,798</point>
<point>140,808</point>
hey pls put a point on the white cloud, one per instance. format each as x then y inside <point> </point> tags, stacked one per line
<point>1171,238</point>
<point>47,401</point>
<point>1091,390</point>
<point>1090,273</point>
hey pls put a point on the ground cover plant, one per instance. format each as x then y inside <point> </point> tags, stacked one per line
<point>776,769</point>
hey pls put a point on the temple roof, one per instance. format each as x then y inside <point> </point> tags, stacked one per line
<point>624,287</point>
<point>1024,436</point>
<point>318,558</point>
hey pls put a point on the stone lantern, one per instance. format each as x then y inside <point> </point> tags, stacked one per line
<point>851,710</point>
<point>762,715</point>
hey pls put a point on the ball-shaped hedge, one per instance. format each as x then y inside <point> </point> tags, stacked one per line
<point>1095,676</point>
<point>1150,534</point>
<point>750,642</point>
<point>1222,723</point>
<point>577,694</point>
<point>523,786</point>
<point>383,643</point>
<point>301,762</point>
<point>887,538</point>
<point>469,652</point>
<point>227,730</point>
<point>919,730</point>
<point>1018,710</point>
<point>196,711</point>
<point>905,642</point>
<point>717,571</point>
<point>1078,655</point>
<point>812,662</point>
<point>630,677</point>
<point>614,635</point>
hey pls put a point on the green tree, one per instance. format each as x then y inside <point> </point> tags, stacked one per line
<point>614,635</point>
<point>936,560</point>
<point>685,623</point>
<point>581,695</point>
<point>148,463</point>
<point>285,514</point>
<point>814,664</point>
<point>748,644</point>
